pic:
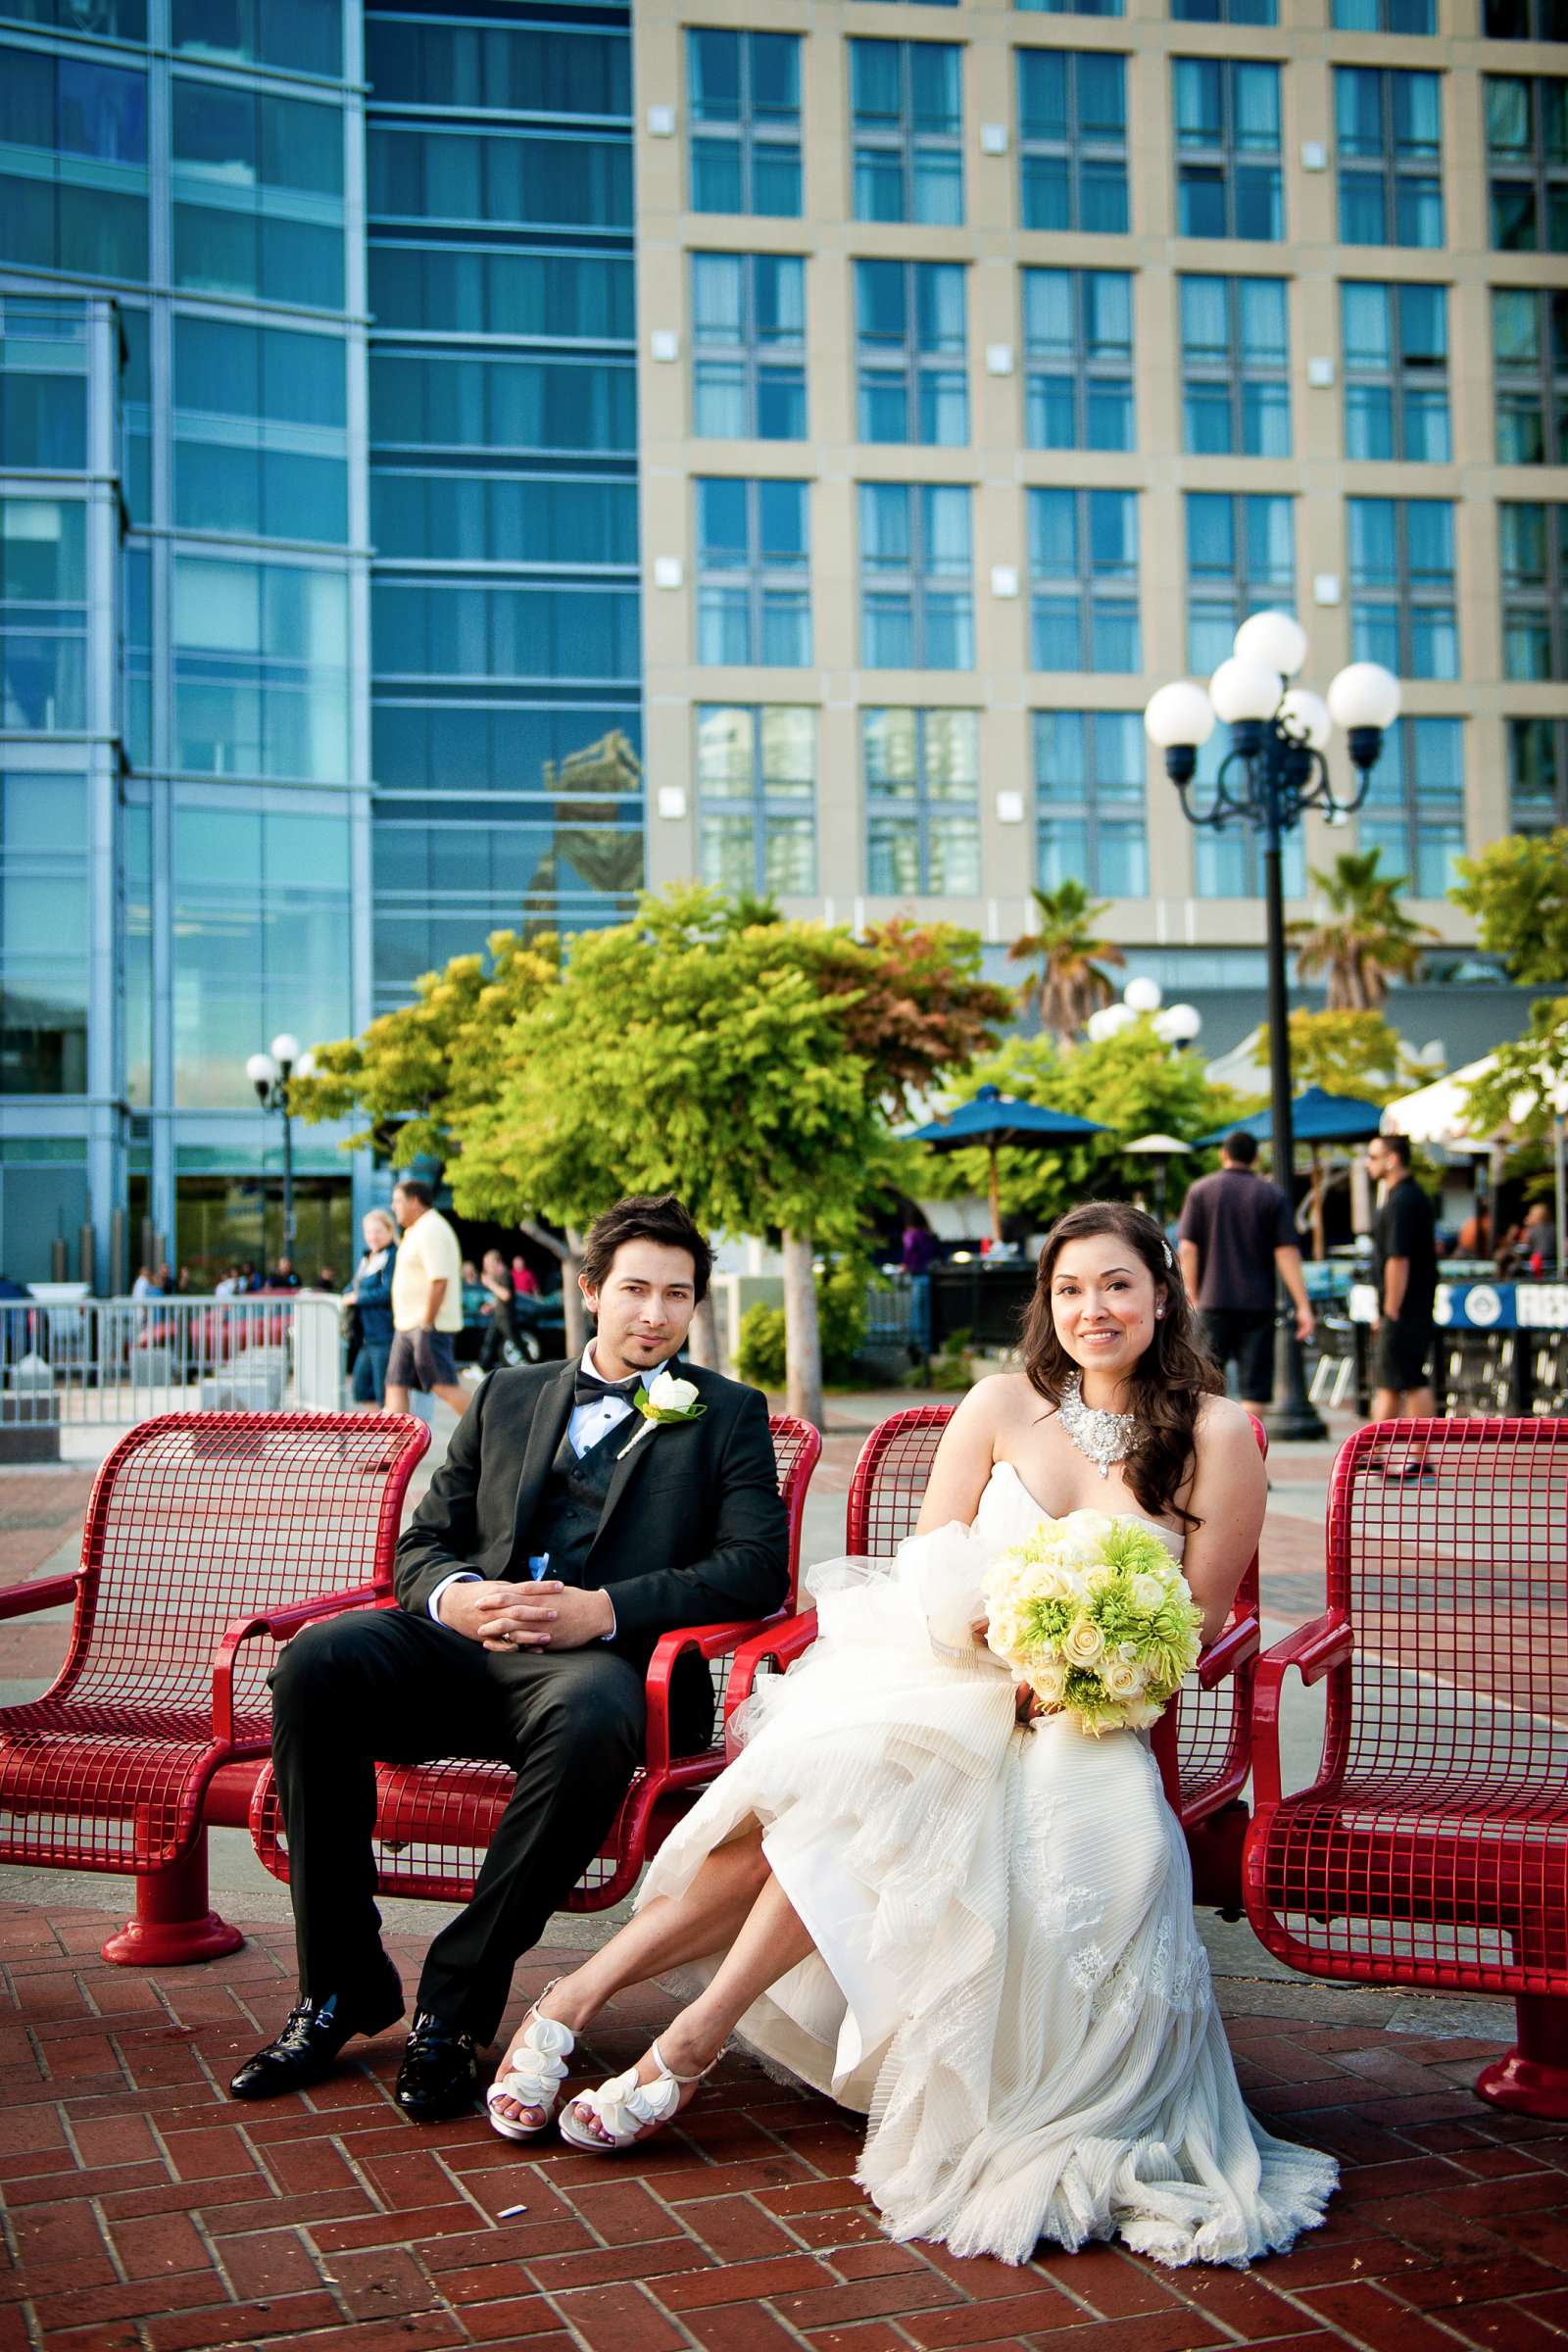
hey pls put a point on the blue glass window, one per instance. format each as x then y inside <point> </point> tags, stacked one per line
<point>1240,559</point>
<point>906,119</point>
<point>747,346</point>
<point>753,572</point>
<point>1235,385</point>
<point>1532,539</point>
<point>1072,140</point>
<point>261,446</point>
<point>1078,355</point>
<point>912,352</point>
<point>261,670</point>
<point>564,629</point>
<point>1413,814</point>
<point>744,102</point>
<point>485,518</point>
<point>43,615</point>
<point>1395,371</point>
<point>1089,801</point>
<point>1403,599</point>
<point>1225,11</point>
<point>923,802</point>
<point>257,185</point>
<point>916,578</point>
<point>1415,17</point>
<point>44,934</point>
<point>1228,181</point>
<point>757,798</point>
<point>1389,134</point>
<point>533,179</point>
<point>304,37</point>
<point>1083,571</point>
<point>560,403</point>
<point>1527,159</point>
<point>516,69</point>
<point>1537,774</point>
<point>1229,864</point>
<point>467,290</point>
<point>43,387</point>
<point>1530,356</point>
<point>84,210</point>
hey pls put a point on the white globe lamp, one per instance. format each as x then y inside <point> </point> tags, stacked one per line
<point>262,1071</point>
<point>1366,695</point>
<point>1275,639</point>
<point>285,1048</point>
<point>1179,714</point>
<point>1142,996</point>
<point>1109,1021</point>
<point>1243,690</point>
<point>1308,718</point>
<point>1179,1024</point>
<point>305,1067</point>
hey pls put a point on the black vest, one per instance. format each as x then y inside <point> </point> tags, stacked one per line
<point>571,1503</point>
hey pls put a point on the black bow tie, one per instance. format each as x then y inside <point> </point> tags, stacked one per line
<point>587,1389</point>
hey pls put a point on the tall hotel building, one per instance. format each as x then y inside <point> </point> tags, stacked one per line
<point>458,462</point>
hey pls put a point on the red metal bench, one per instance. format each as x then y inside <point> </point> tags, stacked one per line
<point>435,1821</point>
<point>209,1539</point>
<point>1202,1742</point>
<point>1432,1848</point>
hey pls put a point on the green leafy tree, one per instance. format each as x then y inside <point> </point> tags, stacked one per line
<point>1131,1083</point>
<point>1364,939</point>
<point>1527,1085</point>
<point>1517,890</point>
<point>1349,1053</point>
<point>1071,982</point>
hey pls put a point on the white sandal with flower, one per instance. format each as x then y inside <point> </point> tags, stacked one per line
<point>533,2073</point>
<point>628,2111</point>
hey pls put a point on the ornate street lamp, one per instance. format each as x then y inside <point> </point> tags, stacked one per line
<point>270,1074</point>
<point>1273,772</point>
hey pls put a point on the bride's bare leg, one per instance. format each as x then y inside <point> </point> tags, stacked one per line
<point>771,1942</point>
<point>670,1932</point>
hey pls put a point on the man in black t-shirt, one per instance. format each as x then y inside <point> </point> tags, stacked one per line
<point>1404,1254</point>
<point>1235,1235</point>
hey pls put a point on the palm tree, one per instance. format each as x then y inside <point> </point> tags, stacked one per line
<point>1363,938</point>
<point>1070,984</point>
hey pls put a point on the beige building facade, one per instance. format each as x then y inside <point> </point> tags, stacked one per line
<point>1090,574</point>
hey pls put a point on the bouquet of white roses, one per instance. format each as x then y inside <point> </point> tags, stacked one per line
<point>1092,1612</point>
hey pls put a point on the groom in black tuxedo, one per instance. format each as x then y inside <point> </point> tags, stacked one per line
<point>534,1584</point>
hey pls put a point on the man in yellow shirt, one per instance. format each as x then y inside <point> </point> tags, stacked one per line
<point>427,1302</point>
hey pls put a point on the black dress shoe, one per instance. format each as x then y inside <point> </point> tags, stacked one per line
<point>439,2076</point>
<point>314,2034</point>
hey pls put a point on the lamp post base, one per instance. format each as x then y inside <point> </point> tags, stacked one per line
<point>1294,1418</point>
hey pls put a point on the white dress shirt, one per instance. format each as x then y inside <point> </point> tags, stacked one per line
<point>587,1425</point>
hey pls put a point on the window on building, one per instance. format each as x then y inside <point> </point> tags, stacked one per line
<point>748,346</point>
<point>303,37</point>
<point>1228,181</point>
<point>1395,371</point>
<point>1530,354</point>
<point>1228,861</point>
<point>1403,594</point>
<point>1533,546</point>
<point>1072,140</point>
<point>43,387</point>
<point>137,655</point>
<point>1089,801</point>
<point>912,352</point>
<point>261,440</point>
<point>1078,358</point>
<point>109,20</point>
<point>1236,382</point>
<point>261,670</point>
<point>1413,814</point>
<point>44,934</point>
<point>907,120</point>
<point>1525,19</point>
<point>1390,131</point>
<point>754,572</point>
<point>744,102</point>
<point>261,933</point>
<point>466,289</point>
<point>510,69</point>
<point>135,415</point>
<point>465,517</point>
<point>580,631</point>
<point>257,190</point>
<point>1071,8</point>
<point>1083,574</point>
<point>1537,774</point>
<point>78,202</point>
<point>1386,16</point>
<point>1527,162</point>
<point>1225,11</point>
<point>1240,559</point>
<point>923,802</point>
<point>757,798</point>
<point>533,179</point>
<point>43,615</point>
<point>561,404</point>
<point>916,577</point>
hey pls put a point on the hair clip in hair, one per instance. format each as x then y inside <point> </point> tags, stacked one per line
<point>1170,1254</point>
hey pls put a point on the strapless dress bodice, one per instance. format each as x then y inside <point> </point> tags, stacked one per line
<point>1007,1511</point>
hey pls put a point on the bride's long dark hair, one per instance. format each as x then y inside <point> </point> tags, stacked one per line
<point>1173,1373</point>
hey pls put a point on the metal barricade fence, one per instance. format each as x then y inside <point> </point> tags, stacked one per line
<point>116,1361</point>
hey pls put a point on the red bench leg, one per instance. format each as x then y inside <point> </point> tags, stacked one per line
<point>1531,2078</point>
<point>173,1924</point>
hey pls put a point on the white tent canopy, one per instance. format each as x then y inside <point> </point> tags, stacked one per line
<point>1436,1113</point>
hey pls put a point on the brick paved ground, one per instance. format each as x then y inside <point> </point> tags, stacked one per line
<point>145,2212</point>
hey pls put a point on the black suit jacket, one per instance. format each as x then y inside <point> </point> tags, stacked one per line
<point>693,1530</point>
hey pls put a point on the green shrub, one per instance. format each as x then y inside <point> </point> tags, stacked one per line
<point>839,1321</point>
<point>759,1357</point>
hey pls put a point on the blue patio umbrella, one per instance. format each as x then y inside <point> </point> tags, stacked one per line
<point>990,1120</point>
<point>1316,1117</point>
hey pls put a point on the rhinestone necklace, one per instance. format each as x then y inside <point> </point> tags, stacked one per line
<point>1103,1438</point>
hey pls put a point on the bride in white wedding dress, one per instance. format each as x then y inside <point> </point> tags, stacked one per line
<point>966,1919</point>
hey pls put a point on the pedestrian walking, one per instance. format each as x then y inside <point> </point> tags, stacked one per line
<point>1405,1271</point>
<point>427,1302</point>
<point>371,1293</point>
<point>1235,1239</point>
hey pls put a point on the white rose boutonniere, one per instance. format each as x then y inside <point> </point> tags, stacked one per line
<point>665,1399</point>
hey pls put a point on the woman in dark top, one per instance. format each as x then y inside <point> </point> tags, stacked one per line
<point>372,1292</point>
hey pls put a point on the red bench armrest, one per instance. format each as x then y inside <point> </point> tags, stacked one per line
<point>782,1644</point>
<point>706,1642</point>
<point>1236,1642</point>
<point>54,1591</point>
<point>1314,1650</point>
<point>279,1625</point>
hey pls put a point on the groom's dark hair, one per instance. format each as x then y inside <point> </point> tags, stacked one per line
<point>646,1217</point>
